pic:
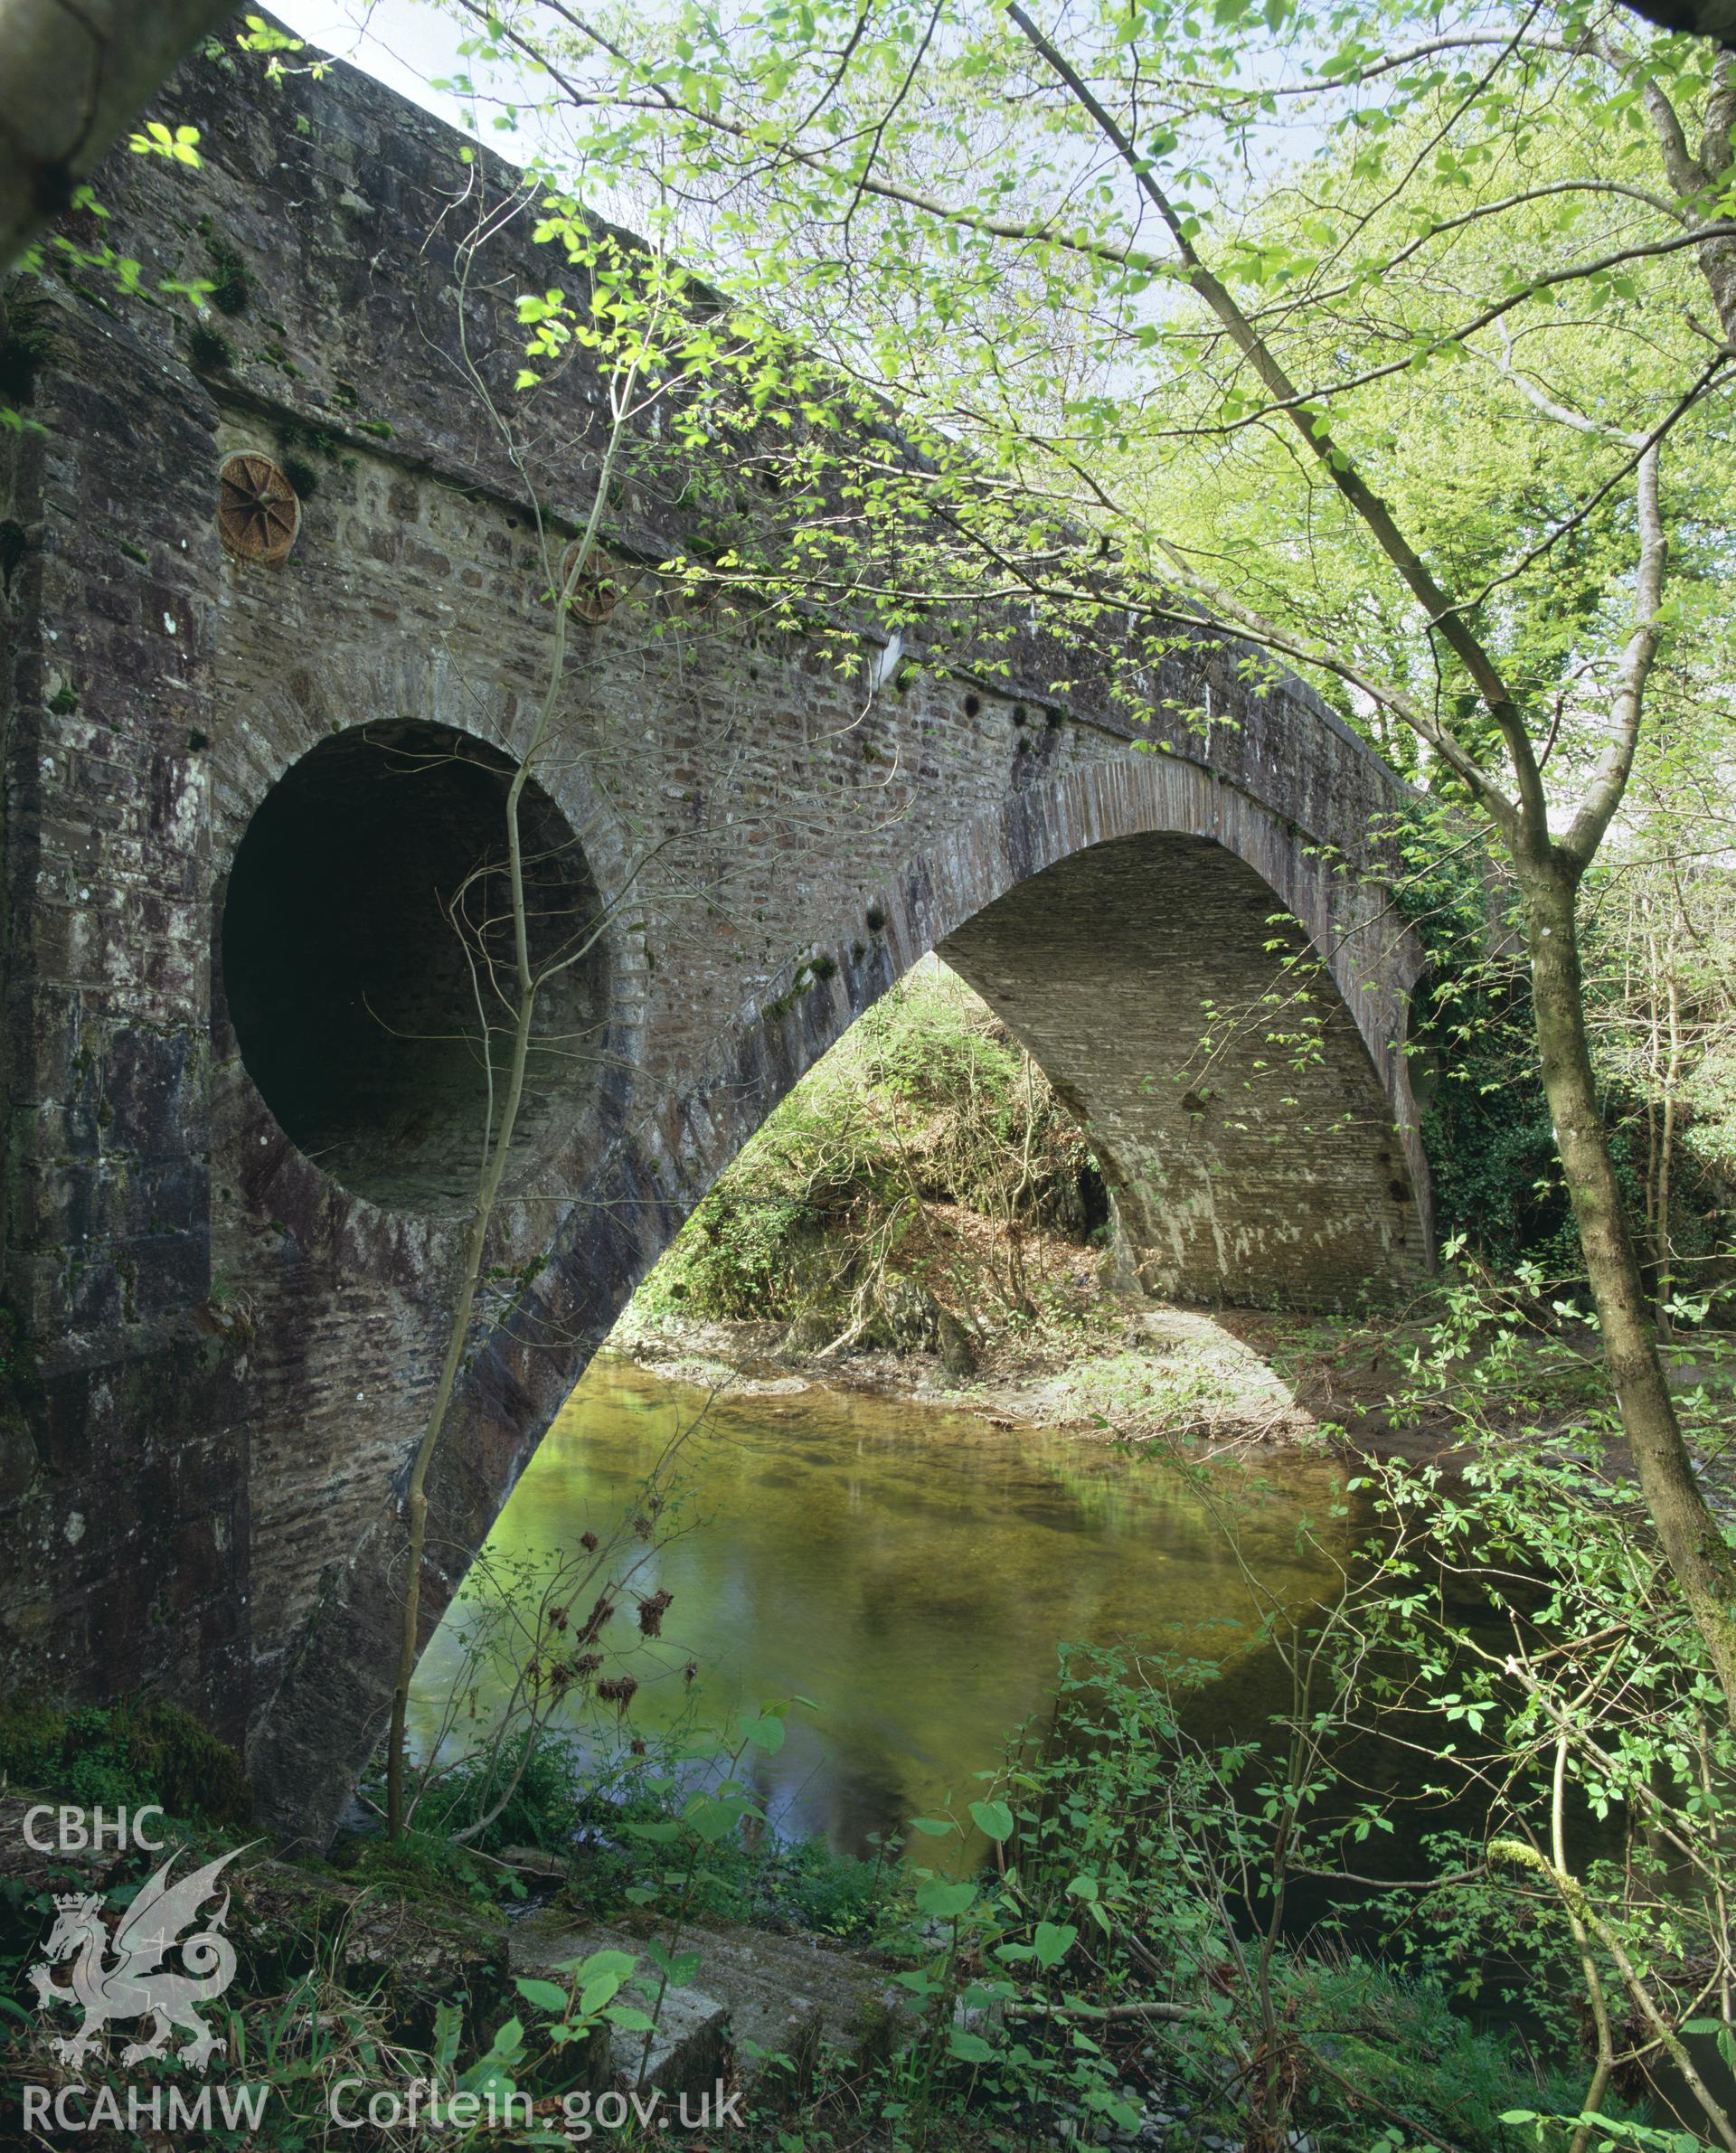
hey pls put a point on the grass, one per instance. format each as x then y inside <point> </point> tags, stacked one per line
<point>1142,1392</point>
<point>559,1808</point>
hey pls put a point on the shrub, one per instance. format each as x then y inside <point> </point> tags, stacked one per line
<point>926,1099</point>
<point>130,1753</point>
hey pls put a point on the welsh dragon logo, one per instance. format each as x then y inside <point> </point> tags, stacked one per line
<point>129,1984</point>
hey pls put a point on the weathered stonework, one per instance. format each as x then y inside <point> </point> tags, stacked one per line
<point>225,1343</point>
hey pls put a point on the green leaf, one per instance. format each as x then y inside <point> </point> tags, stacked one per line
<point>156,140</point>
<point>487,2080</point>
<point>599,1965</point>
<point>968,2048</point>
<point>944,1901</point>
<point>766,1733</point>
<point>993,1818</point>
<point>937,1827</point>
<point>714,1817</point>
<point>676,1967</point>
<point>1053,1940</point>
<point>544,1995</point>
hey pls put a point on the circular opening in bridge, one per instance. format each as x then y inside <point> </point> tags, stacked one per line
<point>367,934</point>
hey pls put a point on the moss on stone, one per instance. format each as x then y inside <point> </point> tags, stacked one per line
<point>27,346</point>
<point>209,349</point>
<point>14,546</point>
<point>131,1752</point>
<point>232,283</point>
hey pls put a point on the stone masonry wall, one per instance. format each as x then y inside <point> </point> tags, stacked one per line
<point>221,1353</point>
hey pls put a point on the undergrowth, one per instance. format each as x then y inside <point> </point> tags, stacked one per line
<point>129,1754</point>
<point>832,1216</point>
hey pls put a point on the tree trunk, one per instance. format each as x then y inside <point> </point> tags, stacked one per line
<point>1702,1562</point>
<point>70,78</point>
<point>1667,1145</point>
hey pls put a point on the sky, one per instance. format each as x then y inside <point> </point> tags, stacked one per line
<point>411,44</point>
<point>401,43</point>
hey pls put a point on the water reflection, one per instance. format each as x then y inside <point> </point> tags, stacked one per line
<point>909,1571</point>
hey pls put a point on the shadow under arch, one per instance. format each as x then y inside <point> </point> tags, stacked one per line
<point>1251,1152</point>
<point>1114,917</point>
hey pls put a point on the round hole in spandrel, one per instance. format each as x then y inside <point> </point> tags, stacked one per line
<point>368,903</point>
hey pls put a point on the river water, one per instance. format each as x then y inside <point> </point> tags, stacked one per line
<point>906,1571</point>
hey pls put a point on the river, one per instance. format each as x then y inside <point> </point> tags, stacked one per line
<point>908,1573</point>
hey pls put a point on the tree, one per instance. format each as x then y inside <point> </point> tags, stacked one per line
<point>667,370</point>
<point>493,911</point>
<point>70,79</point>
<point>1087,256</point>
<point>1661,967</point>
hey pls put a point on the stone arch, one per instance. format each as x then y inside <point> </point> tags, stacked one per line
<point>1160,868</point>
<point>1251,1152</point>
<point>1097,835</point>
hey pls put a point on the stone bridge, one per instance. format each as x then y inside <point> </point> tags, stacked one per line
<point>242,1113</point>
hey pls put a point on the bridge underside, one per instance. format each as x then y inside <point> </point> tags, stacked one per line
<point>1192,1031</point>
<point>1227,1065</point>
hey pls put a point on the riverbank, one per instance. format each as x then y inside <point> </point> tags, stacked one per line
<point>1102,1366</point>
<point>1041,1941</point>
<point>959,2014</point>
<point>922,1219</point>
